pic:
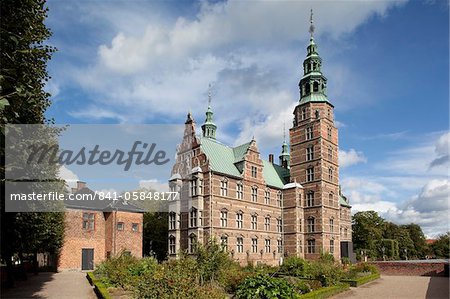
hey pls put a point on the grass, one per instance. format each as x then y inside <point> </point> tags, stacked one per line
<point>361,280</point>
<point>326,292</point>
<point>99,287</point>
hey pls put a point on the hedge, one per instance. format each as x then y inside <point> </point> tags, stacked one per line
<point>326,292</point>
<point>361,280</point>
<point>99,287</point>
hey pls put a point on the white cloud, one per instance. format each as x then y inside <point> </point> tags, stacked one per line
<point>69,176</point>
<point>351,157</point>
<point>154,184</point>
<point>442,151</point>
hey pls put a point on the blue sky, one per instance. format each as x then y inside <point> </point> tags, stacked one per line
<point>386,62</point>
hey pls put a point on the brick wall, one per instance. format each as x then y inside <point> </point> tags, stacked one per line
<point>76,238</point>
<point>412,268</point>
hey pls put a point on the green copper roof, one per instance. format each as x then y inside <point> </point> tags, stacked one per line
<point>314,97</point>
<point>343,201</point>
<point>275,175</point>
<point>225,159</point>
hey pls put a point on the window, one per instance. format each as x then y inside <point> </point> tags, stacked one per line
<point>310,199</point>
<point>192,243</point>
<point>224,243</point>
<point>311,246</point>
<point>200,186</point>
<point>172,246</point>
<point>135,227</point>
<point>120,226</point>
<point>280,246</point>
<point>223,218</point>
<point>267,245</point>
<point>279,198</point>
<point>200,218</point>
<point>254,221</point>
<point>331,246</point>
<point>193,217</point>
<point>239,191</point>
<point>254,171</point>
<point>331,225</point>
<point>316,86</point>
<point>310,153</point>
<point>330,198</point>
<point>345,232</point>
<point>311,222</point>
<point>239,218</point>
<point>240,244</point>
<point>303,115</point>
<point>267,197</point>
<point>224,188</point>
<point>330,174</point>
<point>254,194</point>
<point>193,187</point>
<point>254,245</point>
<point>88,221</point>
<point>172,220</point>
<point>309,133</point>
<point>279,225</point>
<point>310,174</point>
<point>267,223</point>
<point>330,153</point>
<point>329,133</point>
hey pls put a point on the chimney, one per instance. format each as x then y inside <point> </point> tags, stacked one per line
<point>271,158</point>
<point>81,185</point>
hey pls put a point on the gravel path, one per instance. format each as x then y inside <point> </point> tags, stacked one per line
<point>401,287</point>
<point>63,285</point>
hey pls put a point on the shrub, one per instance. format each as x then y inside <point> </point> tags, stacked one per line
<point>232,276</point>
<point>295,266</point>
<point>210,260</point>
<point>325,292</point>
<point>265,287</point>
<point>362,269</point>
<point>115,271</point>
<point>327,273</point>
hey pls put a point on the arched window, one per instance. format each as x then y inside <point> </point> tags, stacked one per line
<point>330,198</point>
<point>239,219</point>
<point>310,174</point>
<point>193,217</point>
<point>310,153</point>
<point>303,115</point>
<point>224,242</point>
<point>307,88</point>
<point>192,243</point>
<point>172,246</point>
<point>331,225</point>
<point>330,174</point>
<point>310,199</point>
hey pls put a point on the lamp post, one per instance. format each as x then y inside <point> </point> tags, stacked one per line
<point>383,249</point>
<point>406,253</point>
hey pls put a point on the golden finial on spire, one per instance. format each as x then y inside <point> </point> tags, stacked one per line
<point>311,27</point>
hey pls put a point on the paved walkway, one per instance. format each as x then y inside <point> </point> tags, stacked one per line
<point>63,285</point>
<point>401,287</point>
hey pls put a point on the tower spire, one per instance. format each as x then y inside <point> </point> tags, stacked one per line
<point>209,128</point>
<point>311,26</point>
<point>284,157</point>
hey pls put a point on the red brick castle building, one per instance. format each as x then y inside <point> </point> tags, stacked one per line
<point>262,211</point>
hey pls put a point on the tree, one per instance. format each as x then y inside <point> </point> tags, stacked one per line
<point>155,234</point>
<point>441,248</point>
<point>367,227</point>
<point>417,236</point>
<point>23,100</point>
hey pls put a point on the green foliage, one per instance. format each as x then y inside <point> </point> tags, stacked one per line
<point>419,250</point>
<point>327,272</point>
<point>367,227</point>
<point>210,260</point>
<point>390,248</point>
<point>440,248</point>
<point>265,287</point>
<point>100,288</point>
<point>326,257</point>
<point>123,270</point>
<point>326,292</point>
<point>361,269</point>
<point>357,281</point>
<point>232,276</point>
<point>295,266</point>
<point>155,234</point>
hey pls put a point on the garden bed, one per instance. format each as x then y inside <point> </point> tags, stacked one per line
<point>326,292</point>
<point>100,288</point>
<point>361,280</point>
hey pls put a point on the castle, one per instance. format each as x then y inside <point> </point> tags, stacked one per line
<point>262,211</point>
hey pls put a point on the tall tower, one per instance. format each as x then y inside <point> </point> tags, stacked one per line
<point>314,158</point>
<point>209,128</point>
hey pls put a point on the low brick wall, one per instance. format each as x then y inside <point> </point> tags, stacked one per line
<point>412,268</point>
